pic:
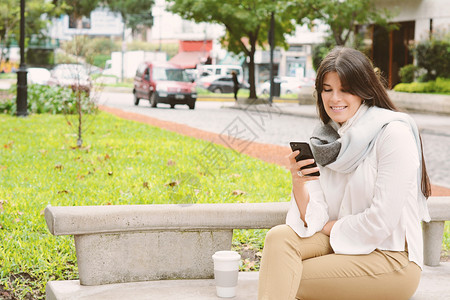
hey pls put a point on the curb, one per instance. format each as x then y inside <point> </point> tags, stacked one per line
<point>273,109</point>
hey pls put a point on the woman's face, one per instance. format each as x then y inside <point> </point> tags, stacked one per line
<point>339,104</point>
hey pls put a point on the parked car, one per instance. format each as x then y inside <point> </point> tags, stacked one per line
<point>220,84</point>
<point>219,70</point>
<point>39,76</point>
<point>288,85</point>
<point>164,83</point>
<point>74,76</point>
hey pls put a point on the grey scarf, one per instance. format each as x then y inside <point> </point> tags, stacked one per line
<point>344,153</point>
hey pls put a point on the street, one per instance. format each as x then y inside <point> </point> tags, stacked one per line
<point>280,129</point>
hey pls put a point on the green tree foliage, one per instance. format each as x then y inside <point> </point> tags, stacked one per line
<point>79,8</point>
<point>434,56</point>
<point>246,22</point>
<point>34,9</point>
<point>135,13</point>
<point>341,16</point>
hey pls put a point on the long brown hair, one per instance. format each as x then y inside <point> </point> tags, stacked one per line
<point>358,76</point>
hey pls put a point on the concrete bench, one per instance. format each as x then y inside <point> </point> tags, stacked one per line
<point>141,243</point>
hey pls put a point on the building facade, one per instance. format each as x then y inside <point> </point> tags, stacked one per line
<point>417,20</point>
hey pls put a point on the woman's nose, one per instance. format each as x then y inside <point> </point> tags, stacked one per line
<point>336,96</point>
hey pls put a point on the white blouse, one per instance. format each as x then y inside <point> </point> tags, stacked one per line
<point>376,205</point>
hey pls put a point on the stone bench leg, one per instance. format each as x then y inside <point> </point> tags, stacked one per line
<point>432,242</point>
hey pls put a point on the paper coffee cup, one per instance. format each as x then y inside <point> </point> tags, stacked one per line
<point>226,270</point>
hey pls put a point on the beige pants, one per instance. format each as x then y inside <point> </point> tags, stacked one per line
<point>307,269</point>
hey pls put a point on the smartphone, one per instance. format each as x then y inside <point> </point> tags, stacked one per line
<point>305,153</point>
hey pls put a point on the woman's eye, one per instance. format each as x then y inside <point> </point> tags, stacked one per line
<point>327,90</point>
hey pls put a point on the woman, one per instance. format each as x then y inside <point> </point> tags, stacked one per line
<point>354,231</point>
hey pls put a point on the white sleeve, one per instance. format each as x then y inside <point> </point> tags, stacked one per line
<point>316,212</point>
<point>396,182</point>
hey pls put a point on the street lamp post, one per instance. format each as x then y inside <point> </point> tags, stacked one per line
<point>272,46</point>
<point>22,72</point>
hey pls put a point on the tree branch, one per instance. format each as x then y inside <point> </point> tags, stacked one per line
<point>246,51</point>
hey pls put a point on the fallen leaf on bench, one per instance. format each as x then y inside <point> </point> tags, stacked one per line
<point>173,183</point>
<point>238,192</point>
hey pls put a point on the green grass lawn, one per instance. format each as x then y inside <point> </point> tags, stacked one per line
<point>122,162</point>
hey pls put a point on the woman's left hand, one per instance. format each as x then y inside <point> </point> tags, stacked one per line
<point>327,228</point>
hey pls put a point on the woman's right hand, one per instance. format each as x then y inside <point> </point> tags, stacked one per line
<point>299,189</point>
<point>300,175</point>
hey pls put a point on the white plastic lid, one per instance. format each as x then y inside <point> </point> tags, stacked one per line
<point>226,255</point>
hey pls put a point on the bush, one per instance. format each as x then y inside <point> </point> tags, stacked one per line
<point>100,60</point>
<point>408,73</point>
<point>439,86</point>
<point>49,99</point>
<point>434,56</point>
<point>321,50</point>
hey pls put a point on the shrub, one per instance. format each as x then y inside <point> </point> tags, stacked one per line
<point>439,86</point>
<point>408,73</point>
<point>100,60</point>
<point>49,99</point>
<point>434,56</point>
<point>321,50</point>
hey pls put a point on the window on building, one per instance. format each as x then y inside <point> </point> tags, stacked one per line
<point>297,48</point>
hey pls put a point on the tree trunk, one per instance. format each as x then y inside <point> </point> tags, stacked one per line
<point>80,120</point>
<point>251,70</point>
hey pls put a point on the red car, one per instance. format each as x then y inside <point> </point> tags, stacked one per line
<point>164,83</point>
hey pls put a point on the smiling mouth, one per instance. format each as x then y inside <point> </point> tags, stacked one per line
<point>338,107</point>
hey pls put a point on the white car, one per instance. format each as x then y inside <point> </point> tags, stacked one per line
<point>288,85</point>
<point>74,76</point>
<point>38,76</point>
